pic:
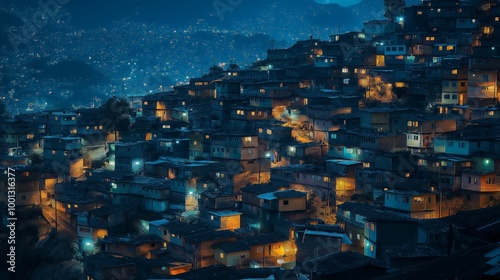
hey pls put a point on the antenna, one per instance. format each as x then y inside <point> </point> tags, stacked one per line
<point>123,87</point>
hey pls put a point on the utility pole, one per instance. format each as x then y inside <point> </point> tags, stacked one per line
<point>440,191</point>
<point>258,162</point>
<point>123,87</point>
<point>55,211</point>
<point>263,256</point>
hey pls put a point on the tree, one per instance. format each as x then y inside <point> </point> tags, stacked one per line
<point>214,71</point>
<point>233,67</point>
<point>394,8</point>
<point>117,111</point>
<point>4,113</point>
<point>36,159</point>
<point>318,209</point>
<point>314,158</point>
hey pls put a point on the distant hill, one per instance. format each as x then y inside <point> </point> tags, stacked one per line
<point>70,71</point>
<point>94,13</point>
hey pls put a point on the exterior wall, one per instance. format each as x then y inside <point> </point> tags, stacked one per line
<point>459,147</point>
<point>158,231</point>
<point>235,148</point>
<point>354,225</point>
<point>292,204</point>
<point>375,120</point>
<point>482,84</point>
<point>87,233</point>
<point>258,252</point>
<point>481,183</point>
<point>132,250</point>
<point>394,49</point>
<point>27,187</point>
<point>226,222</point>
<point>234,259</point>
<point>410,203</point>
<point>477,200</point>
<point>206,253</point>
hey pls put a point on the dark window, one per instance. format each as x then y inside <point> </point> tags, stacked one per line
<point>285,202</point>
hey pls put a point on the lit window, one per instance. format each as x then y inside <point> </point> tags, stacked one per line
<point>207,136</point>
<point>440,48</point>
<point>345,70</point>
<point>422,162</point>
<point>269,132</point>
<point>450,48</point>
<point>419,12</point>
<point>418,199</point>
<point>53,152</point>
<point>497,18</point>
<point>145,103</point>
<point>221,255</point>
<point>248,139</point>
<point>260,130</point>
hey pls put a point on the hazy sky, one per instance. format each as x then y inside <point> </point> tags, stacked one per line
<point>340,2</point>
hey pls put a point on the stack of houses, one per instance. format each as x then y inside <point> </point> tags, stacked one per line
<point>362,155</point>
